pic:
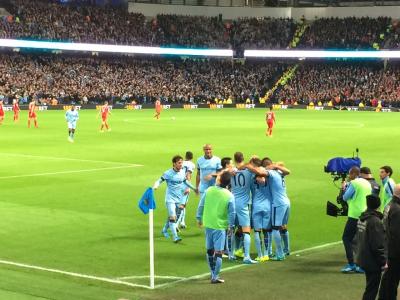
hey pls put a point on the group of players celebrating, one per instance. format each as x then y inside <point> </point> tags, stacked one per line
<point>235,197</point>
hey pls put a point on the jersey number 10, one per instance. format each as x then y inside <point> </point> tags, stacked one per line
<point>239,180</point>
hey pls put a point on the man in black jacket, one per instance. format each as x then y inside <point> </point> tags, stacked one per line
<point>390,283</point>
<point>365,173</point>
<point>371,246</point>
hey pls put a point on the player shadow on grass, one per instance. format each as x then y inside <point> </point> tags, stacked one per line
<point>303,264</point>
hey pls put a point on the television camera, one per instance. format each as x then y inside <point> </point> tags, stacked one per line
<point>339,168</point>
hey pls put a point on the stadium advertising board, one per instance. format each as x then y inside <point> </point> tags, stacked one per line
<point>207,106</point>
<point>245,106</point>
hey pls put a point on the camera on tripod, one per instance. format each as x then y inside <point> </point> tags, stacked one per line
<point>339,168</point>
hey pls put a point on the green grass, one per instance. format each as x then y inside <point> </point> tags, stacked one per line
<point>88,222</point>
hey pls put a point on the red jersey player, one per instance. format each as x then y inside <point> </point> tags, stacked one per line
<point>158,109</point>
<point>104,111</point>
<point>1,112</point>
<point>270,119</point>
<point>16,110</point>
<point>32,114</point>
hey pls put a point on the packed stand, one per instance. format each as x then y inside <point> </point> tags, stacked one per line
<point>262,33</point>
<point>346,33</point>
<point>85,23</point>
<point>53,21</point>
<point>393,40</point>
<point>193,31</point>
<point>125,79</point>
<point>343,84</point>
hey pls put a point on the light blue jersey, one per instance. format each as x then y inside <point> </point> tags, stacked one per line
<point>276,182</point>
<point>240,187</point>
<point>72,116</point>
<point>176,183</point>
<point>206,167</point>
<point>261,196</point>
<point>188,166</point>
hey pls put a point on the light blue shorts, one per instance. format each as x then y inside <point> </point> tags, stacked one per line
<point>280,215</point>
<point>215,239</point>
<point>171,208</point>
<point>261,219</point>
<point>184,199</point>
<point>71,125</point>
<point>243,216</point>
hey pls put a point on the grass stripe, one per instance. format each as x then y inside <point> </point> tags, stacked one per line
<point>200,276</point>
<point>67,158</point>
<point>120,282</point>
<point>72,274</point>
<point>68,172</point>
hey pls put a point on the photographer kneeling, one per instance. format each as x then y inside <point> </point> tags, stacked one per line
<point>356,197</point>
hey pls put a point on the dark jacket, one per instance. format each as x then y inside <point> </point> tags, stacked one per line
<point>393,230</point>
<point>370,241</point>
<point>376,188</point>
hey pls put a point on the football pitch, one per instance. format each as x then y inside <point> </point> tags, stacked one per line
<point>70,227</point>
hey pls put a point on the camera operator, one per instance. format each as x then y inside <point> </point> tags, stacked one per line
<point>365,173</point>
<point>355,195</point>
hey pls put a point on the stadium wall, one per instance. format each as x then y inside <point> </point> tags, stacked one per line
<point>229,13</point>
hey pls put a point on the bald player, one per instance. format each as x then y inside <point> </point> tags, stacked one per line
<point>207,167</point>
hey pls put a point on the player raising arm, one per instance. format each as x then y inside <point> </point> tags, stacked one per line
<point>188,167</point>
<point>176,182</point>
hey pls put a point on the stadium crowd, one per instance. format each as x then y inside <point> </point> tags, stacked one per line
<point>344,84</point>
<point>53,21</point>
<point>345,33</point>
<point>86,23</point>
<point>125,79</point>
<point>70,78</point>
<point>252,33</point>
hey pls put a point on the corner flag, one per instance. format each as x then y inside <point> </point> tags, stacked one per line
<point>147,204</point>
<point>147,201</point>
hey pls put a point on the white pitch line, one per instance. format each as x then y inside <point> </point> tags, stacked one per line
<point>197,276</point>
<point>73,274</point>
<point>120,282</point>
<point>67,158</point>
<point>147,276</point>
<point>68,172</point>
<point>316,247</point>
<point>243,265</point>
